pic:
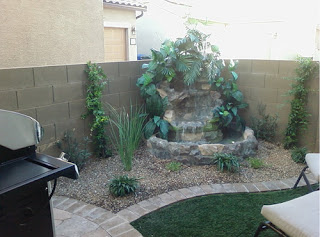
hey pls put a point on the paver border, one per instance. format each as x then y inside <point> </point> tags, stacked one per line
<point>118,224</point>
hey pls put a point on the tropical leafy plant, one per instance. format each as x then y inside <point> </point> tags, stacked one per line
<point>298,154</point>
<point>226,161</point>
<point>96,84</point>
<point>173,166</point>
<point>298,117</point>
<point>75,152</point>
<point>123,185</point>
<point>127,131</point>
<point>157,125</point>
<point>189,59</point>
<point>264,127</point>
<point>233,101</point>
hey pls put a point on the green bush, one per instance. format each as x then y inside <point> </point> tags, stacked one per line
<point>298,154</point>
<point>123,185</point>
<point>173,166</point>
<point>127,131</point>
<point>75,152</point>
<point>256,163</point>
<point>226,161</point>
<point>264,127</point>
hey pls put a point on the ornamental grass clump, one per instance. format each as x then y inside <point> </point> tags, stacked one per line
<point>127,131</point>
<point>123,185</point>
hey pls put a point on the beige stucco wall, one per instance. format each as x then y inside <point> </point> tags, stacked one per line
<point>36,33</point>
<point>122,18</point>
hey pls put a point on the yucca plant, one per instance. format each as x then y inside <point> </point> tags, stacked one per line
<point>126,131</point>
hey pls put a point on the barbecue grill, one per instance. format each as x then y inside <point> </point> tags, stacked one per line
<point>25,192</point>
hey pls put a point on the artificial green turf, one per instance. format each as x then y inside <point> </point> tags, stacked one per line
<point>213,215</point>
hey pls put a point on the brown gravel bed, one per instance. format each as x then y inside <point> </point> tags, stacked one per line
<point>92,186</point>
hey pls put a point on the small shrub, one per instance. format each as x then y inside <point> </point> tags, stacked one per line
<point>226,161</point>
<point>265,126</point>
<point>173,166</point>
<point>256,163</point>
<point>298,154</point>
<point>75,152</point>
<point>123,185</point>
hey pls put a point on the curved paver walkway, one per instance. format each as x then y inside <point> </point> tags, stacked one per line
<point>75,218</point>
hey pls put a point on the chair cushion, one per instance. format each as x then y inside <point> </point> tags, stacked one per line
<point>313,161</point>
<point>297,217</point>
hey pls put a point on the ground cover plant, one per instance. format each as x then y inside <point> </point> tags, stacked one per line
<point>255,163</point>
<point>213,215</point>
<point>226,161</point>
<point>173,166</point>
<point>123,185</point>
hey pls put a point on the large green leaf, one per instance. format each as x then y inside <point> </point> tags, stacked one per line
<point>151,89</point>
<point>234,75</point>
<point>149,129</point>
<point>237,95</point>
<point>164,128</point>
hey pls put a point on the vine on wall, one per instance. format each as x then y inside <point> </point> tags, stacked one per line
<point>298,117</point>
<point>97,81</point>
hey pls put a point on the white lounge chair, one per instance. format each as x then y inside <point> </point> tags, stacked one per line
<point>297,217</point>
<point>313,163</point>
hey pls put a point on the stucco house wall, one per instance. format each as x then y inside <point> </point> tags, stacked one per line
<point>35,33</point>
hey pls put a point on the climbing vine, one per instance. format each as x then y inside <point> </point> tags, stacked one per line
<point>298,117</point>
<point>97,81</point>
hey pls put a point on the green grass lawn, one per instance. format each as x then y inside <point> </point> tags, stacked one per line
<point>213,215</point>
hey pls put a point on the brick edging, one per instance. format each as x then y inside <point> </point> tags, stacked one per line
<point>118,224</point>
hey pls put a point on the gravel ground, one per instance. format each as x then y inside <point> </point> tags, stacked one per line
<point>92,186</point>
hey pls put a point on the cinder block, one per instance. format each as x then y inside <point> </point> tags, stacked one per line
<point>119,84</point>
<point>112,99</point>
<point>111,70</point>
<point>246,91</point>
<point>251,79</point>
<point>8,100</point>
<point>49,134</point>
<point>264,94</point>
<point>77,108</point>
<point>53,113</point>
<point>133,86</point>
<point>53,75</point>
<point>16,78</point>
<point>76,73</point>
<point>265,66</point>
<point>129,68</point>
<point>287,68</point>
<point>34,97</point>
<point>244,65</point>
<point>283,97</point>
<point>276,82</point>
<point>127,98</point>
<point>29,112</point>
<point>75,125</point>
<point>68,92</point>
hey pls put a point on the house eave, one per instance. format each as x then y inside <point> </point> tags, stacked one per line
<point>125,7</point>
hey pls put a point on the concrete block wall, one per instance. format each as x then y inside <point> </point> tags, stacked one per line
<point>55,96</point>
<point>267,82</point>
